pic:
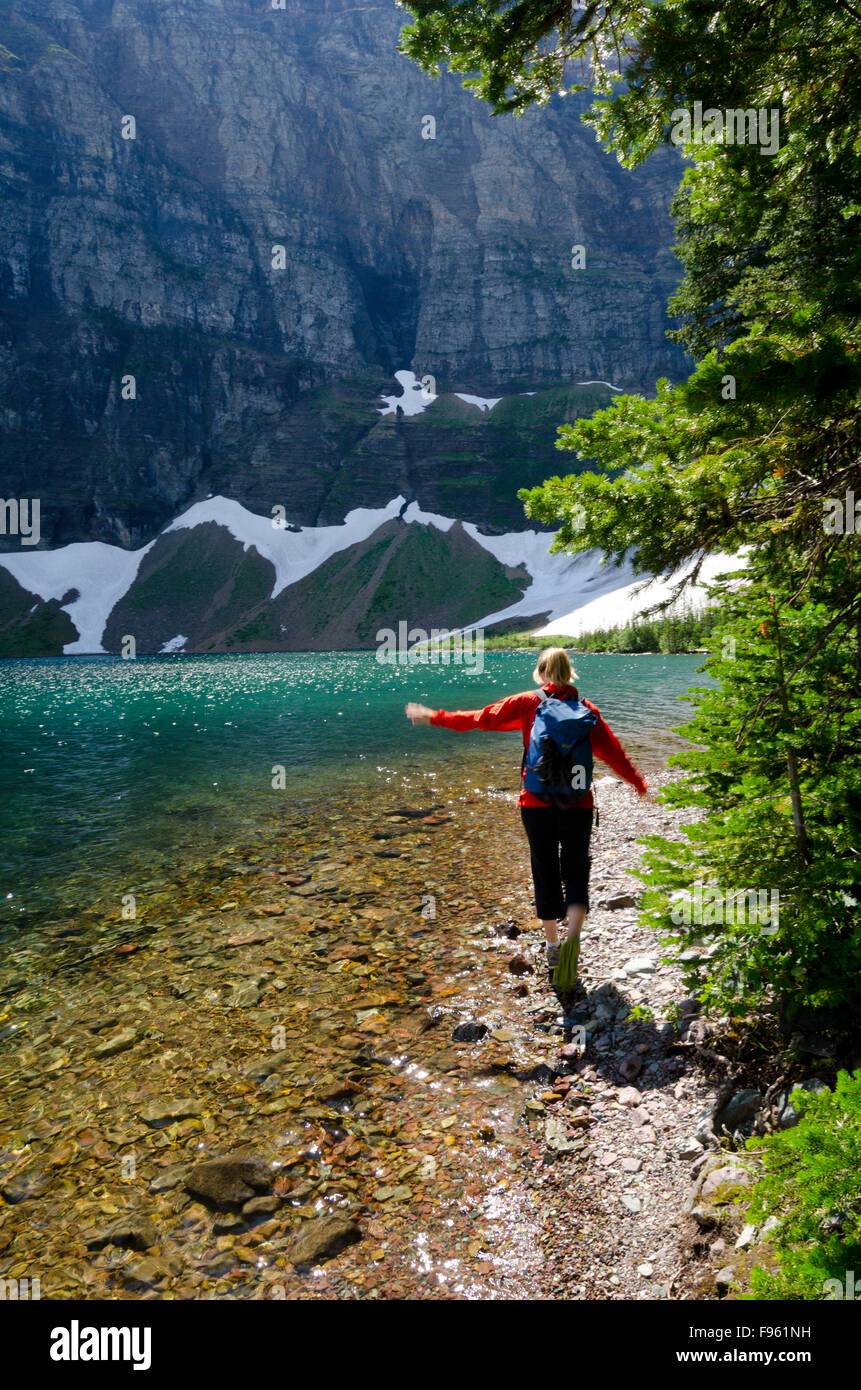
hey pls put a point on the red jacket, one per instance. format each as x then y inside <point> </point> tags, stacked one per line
<point>518,712</point>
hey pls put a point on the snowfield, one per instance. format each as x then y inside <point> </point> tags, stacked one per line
<point>579,592</point>
<point>101,573</point>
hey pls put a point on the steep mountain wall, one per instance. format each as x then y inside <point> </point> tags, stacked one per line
<point>152,257</point>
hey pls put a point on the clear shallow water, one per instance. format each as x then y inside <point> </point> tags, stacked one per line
<point>115,771</point>
<point>301,909</point>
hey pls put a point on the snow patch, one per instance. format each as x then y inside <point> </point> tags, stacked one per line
<point>414,513</point>
<point>582,592</point>
<point>621,605</point>
<point>485,403</point>
<point>414,399</point>
<point>560,582</point>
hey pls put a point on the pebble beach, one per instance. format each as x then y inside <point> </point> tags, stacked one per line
<point>332,1066</point>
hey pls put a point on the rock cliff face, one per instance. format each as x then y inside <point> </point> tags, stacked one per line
<point>257,370</point>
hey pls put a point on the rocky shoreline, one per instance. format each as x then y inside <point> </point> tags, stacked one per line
<point>335,1069</point>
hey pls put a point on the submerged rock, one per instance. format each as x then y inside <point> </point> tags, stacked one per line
<point>556,1136</point>
<point>228,1182</point>
<point>169,1178</point>
<point>423,1020</point>
<point>25,1187</point>
<point>539,1072</point>
<point>519,965</point>
<point>469,1032</point>
<point>120,1042</point>
<point>164,1112</point>
<point>152,1270</point>
<point>261,1206</point>
<point>338,1091</point>
<point>263,1067</point>
<point>246,993</point>
<point>226,1222</point>
<point>133,1230</point>
<point>323,1238</point>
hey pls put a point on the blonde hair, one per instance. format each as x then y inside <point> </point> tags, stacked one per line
<point>553,665</point>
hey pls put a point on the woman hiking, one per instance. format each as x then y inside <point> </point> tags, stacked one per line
<point>560,734</point>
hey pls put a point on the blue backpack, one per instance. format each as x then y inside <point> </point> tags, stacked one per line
<point>558,762</point>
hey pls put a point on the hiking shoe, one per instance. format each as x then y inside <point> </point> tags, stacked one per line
<point>565,974</point>
<point>553,950</point>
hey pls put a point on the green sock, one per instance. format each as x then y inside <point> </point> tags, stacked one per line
<point>565,974</point>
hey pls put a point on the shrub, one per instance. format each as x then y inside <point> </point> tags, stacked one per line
<point>812,1184</point>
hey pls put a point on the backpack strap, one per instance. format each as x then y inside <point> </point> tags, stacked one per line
<point>542,696</point>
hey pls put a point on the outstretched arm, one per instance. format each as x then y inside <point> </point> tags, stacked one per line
<point>607,747</point>
<point>502,717</point>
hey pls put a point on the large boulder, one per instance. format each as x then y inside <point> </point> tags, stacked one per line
<point>740,1108</point>
<point>786,1113</point>
<point>719,1183</point>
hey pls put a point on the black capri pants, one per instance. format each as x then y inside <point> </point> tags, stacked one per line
<point>559,843</point>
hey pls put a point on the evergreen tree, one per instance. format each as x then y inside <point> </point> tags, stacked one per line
<point>756,454</point>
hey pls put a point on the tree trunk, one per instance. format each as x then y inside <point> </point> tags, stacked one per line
<point>801,843</point>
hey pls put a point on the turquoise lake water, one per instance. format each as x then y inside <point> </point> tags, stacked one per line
<point>115,770</point>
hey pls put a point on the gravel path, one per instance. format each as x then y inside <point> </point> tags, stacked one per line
<point>619,1143</point>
